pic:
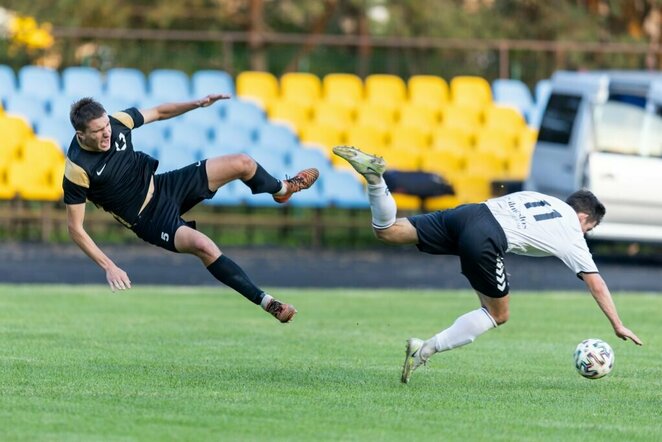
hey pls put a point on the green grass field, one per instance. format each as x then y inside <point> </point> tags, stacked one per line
<point>81,363</point>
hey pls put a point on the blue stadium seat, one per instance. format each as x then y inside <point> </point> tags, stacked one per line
<point>169,85</point>
<point>228,138</point>
<point>308,157</point>
<point>29,106</point>
<point>38,81</point>
<point>59,129</point>
<point>244,113</point>
<point>272,162</point>
<point>276,137</point>
<point>7,81</point>
<point>149,138</point>
<point>312,197</point>
<point>209,116</point>
<point>114,104</point>
<point>126,83</point>
<point>343,189</point>
<point>82,81</point>
<point>205,82</point>
<point>542,92</point>
<point>230,194</point>
<point>515,93</point>
<point>190,137</point>
<point>172,156</point>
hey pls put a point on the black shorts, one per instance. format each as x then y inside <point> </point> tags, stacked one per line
<point>471,232</point>
<point>175,193</point>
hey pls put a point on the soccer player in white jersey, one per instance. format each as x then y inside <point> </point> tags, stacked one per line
<point>525,223</point>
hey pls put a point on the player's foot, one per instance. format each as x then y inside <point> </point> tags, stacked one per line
<point>283,312</point>
<point>302,180</point>
<point>362,162</point>
<point>413,358</point>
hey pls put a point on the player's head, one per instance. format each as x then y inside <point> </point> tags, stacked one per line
<point>588,207</point>
<point>92,124</point>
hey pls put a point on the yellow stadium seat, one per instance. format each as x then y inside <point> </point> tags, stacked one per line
<point>526,139</point>
<point>429,91</point>
<point>471,91</point>
<point>366,138</point>
<point>495,141</point>
<point>345,89</point>
<point>259,87</point>
<point>446,163</point>
<point>301,87</point>
<point>7,191</point>
<point>37,182</point>
<point>518,165</point>
<point>408,138</point>
<point>385,90</point>
<point>472,188</point>
<point>507,119</point>
<point>468,119</point>
<point>416,115</point>
<point>42,151</point>
<point>486,164</point>
<point>402,159</point>
<point>14,132</point>
<point>333,114</point>
<point>375,115</point>
<point>451,138</point>
<point>409,203</point>
<point>321,135</point>
<point>295,115</point>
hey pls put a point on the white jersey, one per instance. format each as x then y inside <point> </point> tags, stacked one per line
<point>541,225</point>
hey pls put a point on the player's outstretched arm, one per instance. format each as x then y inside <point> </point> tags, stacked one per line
<point>170,110</point>
<point>116,277</point>
<point>598,288</point>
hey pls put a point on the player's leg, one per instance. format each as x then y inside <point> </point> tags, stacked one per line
<point>188,240</point>
<point>223,169</point>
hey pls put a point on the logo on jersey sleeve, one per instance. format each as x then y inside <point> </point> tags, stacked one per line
<point>120,144</point>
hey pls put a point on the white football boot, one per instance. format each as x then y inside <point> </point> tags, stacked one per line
<point>413,358</point>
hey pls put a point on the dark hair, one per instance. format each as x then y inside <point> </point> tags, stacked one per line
<point>583,201</point>
<point>83,111</point>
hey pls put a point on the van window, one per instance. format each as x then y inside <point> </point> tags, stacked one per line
<point>559,118</point>
<point>627,128</point>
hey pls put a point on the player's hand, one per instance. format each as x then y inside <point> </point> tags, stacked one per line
<point>625,333</point>
<point>213,98</point>
<point>117,279</point>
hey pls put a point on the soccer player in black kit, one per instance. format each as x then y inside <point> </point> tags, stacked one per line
<point>103,167</point>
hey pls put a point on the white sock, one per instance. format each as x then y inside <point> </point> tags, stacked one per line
<point>265,301</point>
<point>464,331</point>
<point>283,189</point>
<point>382,205</point>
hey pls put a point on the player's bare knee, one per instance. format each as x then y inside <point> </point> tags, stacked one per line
<point>245,164</point>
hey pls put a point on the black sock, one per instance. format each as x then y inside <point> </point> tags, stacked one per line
<point>263,182</point>
<point>229,273</point>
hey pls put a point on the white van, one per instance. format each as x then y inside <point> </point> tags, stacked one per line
<point>603,131</point>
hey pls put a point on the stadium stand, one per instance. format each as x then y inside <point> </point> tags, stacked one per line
<point>429,91</point>
<point>7,82</point>
<point>168,85</point>
<point>82,81</point>
<point>38,81</point>
<point>302,88</point>
<point>514,93</point>
<point>260,87</point>
<point>470,91</point>
<point>208,81</point>
<point>387,91</point>
<point>126,83</point>
<point>344,89</point>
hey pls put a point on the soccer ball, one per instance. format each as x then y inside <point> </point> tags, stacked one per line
<point>594,358</point>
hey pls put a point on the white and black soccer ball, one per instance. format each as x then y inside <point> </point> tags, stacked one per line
<point>594,358</point>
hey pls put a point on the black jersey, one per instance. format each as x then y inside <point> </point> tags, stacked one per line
<point>116,180</point>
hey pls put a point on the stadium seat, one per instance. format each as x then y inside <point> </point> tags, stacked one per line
<point>7,190</point>
<point>518,165</point>
<point>229,138</point>
<point>149,138</point>
<point>31,107</point>
<point>542,92</point>
<point>244,113</point>
<point>385,90</point>
<point>126,83</point>
<point>209,81</point>
<point>38,81</point>
<point>273,162</point>
<point>37,181</point>
<point>505,118</point>
<point>419,116</point>
<point>57,129</point>
<point>7,81</point>
<point>526,139</point>
<point>375,115</point>
<point>276,137</point>
<point>290,113</point>
<point>169,85</point>
<point>189,137</point>
<point>344,189</point>
<point>207,116</point>
<point>409,203</point>
<point>41,151</point>
<point>15,131</point>
<point>467,119</point>
<point>513,93</point>
<point>308,157</point>
<point>472,188</point>
<point>345,89</point>
<point>333,114</point>
<point>495,141</point>
<point>469,91</point>
<point>228,195</point>
<point>451,139</point>
<point>60,106</point>
<point>172,156</point>
<point>260,87</point>
<point>408,138</point>
<point>486,164</point>
<point>429,91</point>
<point>82,81</point>
<point>301,87</point>
<point>114,104</point>
<point>366,138</point>
<point>402,159</point>
<point>322,136</point>
<point>447,163</point>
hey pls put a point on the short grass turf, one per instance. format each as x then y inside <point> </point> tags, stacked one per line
<point>81,363</point>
